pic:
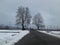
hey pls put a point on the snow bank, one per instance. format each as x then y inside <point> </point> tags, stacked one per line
<point>2,42</point>
<point>11,38</point>
<point>53,33</point>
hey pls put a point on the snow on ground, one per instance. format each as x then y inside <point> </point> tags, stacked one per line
<point>53,33</point>
<point>11,38</point>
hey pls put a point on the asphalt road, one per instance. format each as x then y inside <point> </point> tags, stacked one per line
<point>38,38</point>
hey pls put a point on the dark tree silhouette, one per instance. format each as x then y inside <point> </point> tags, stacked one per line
<point>23,17</point>
<point>38,21</point>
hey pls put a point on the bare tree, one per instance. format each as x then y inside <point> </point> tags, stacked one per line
<point>38,21</point>
<point>23,17</point>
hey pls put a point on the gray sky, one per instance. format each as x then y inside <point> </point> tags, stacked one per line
<point>49,9</point>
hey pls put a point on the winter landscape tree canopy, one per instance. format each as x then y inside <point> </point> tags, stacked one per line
<point>38,21</point>
<point>23,17</point>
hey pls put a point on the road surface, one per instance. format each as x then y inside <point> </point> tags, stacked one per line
<point>38,38</point>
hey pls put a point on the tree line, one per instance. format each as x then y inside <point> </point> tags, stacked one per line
<point>24,17</point>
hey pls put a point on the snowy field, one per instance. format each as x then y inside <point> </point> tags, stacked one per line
<point>9,38</point>
<point>12,36</point>
<point>53,33</point>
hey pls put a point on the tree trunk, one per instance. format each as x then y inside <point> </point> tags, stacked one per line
<point>23,27</point>
<point>23,24</point>
<point>38,27</point>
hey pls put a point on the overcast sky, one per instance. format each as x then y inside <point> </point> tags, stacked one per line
<point>49,9</point>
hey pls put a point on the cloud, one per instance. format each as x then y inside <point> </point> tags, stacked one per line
<point>8,11</point>
<point>50,10</point>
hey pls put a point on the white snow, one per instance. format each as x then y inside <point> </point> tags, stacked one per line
<point>53,33</point>
<point>11,38</point>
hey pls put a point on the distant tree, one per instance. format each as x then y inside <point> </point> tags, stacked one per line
<point>0,26</point>
<point>6,27</point>
<point>23,17</point>
<point>38,21</point>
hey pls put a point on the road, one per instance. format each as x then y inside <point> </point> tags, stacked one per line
<point>38,38</point>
